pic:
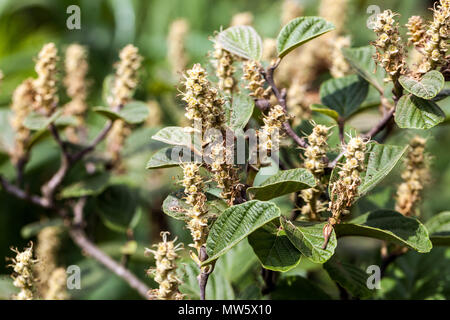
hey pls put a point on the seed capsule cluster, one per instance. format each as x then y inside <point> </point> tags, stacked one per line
<point>415,176</point>
<point>255,80</point>
<point>203,101</point>
<point>165,272</point>
<point>223,61</point>
<point>390,50</point>
<point>46,98</point>
<point>437,36</point>
<point>23,273</point>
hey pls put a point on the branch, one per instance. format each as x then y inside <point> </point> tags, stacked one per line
<point>21,194</point>
<point>79,237</point>
<point>68,160</point>
<point>281,97</point>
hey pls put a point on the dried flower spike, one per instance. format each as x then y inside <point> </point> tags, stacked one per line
<point>165,271</point>
<point>45,85</point>
<point>415,176</point>
<point>23,273</point>
<point>390,50</point>
<point>47,247</point>
<point>345,189</point>
<point>193,188</point>
<point>176,50</point>
<point>203,101</point>
<point>437,36</point>
<point>255,80</point>
<point>223,62</point>
<point>269,134</point>
<point>57,284</point>
<point>416,31</point>
<point>126,76</point>
<point>76,67</point>
<point>22,100</point>
<point>315,155</point>
<point>242,19</point>
<point>298,102</point>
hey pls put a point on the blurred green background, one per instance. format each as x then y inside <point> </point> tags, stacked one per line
<point>106,27</point>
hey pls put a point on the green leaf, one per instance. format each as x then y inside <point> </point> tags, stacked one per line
<point>416,113</point>
<point>298,288</point>
<point>133,113</point>
<point>349,277</point>
<point>439,229</point>
<point>167,158</point>
<point>361,59</point>
<point>308,237</point>
<point>240,111</point>
<point>326,111</point>
<point>175,206</point>
<point>37,121</point>
<point>173,135</point>
<point>117,207</point>
<point>281,183</point>
<point>236,223</point>
<point>380,162</point>
<point>344,95</point>
<point>427,87</point>
<point>390,226</point>
<point>299,31</point>
<point>32,229</point>
<point>273,248</point>
<point>242,41</point>
<point>107,112</point>
<point>91,186</point>
<point>217,288</point>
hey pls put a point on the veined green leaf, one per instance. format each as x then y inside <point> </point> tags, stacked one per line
<point>173,135</point>
<point>175,206</point>
<point>91,186</point>
<point>344,95</point>
<point>361,59</point>
<point>379,163</point>
<point>117,207</point>
<point>390,226</point>
<point>283,182</point>
<point>133,112</point>
<point>427,87</point>
<point>349,277</point>
<point>299,31</point>
<point>416,113</point>
<point>236,223</point>
<point>439,229</point>
<point>273,248</point>
<point>37,121</point>
<point>242,41</point>
<point>326,111</point>
<point>308,238</point>
<point>167,158</point>
<point>240,111</point>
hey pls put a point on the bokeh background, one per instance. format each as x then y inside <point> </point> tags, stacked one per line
<point>106,27</point>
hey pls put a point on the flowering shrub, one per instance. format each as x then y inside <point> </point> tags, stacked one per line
<point>272,172</point>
